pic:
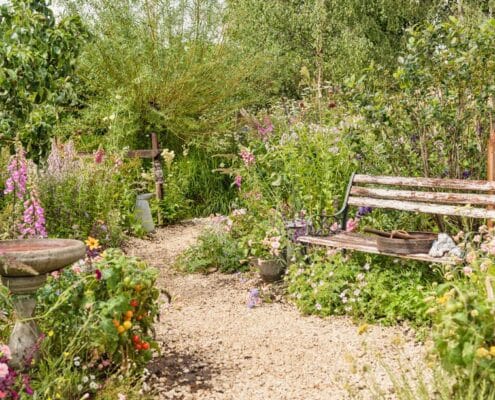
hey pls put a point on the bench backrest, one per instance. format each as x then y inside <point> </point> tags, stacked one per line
<point>465,198</point>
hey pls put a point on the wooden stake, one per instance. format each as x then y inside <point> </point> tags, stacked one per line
<point>491,163</point>
<point>158,171</point>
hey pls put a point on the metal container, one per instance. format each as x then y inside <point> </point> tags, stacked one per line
<point>143,212</point>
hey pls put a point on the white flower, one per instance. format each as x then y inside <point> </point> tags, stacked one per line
<point>367,267</point>
<point>360,276</point>
<point>79,387</point>
<point>85,379</point>
<point>318,306</point>
<point>330,274</point>
<point>93,385</point>
<point>344,300</point>
<point>238,212</point>
<point>357,292</point>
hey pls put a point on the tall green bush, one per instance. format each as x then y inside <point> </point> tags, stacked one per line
<point>37,71</point>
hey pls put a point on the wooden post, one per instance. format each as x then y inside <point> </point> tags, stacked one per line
<point>158,171</point>
<point>491,162</point>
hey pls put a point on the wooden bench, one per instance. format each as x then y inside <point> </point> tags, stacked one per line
<point>452,197</point>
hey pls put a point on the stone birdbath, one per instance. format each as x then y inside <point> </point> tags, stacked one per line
<point>24,266</point>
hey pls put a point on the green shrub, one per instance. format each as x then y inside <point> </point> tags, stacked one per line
<point>84,198</point>
<point>364,287</point>
<point>292,166</point>
<point>81,312</point>
<point>215,249</point>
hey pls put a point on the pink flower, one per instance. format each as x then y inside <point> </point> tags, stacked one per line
<point>4,370</point>
<point>334,227</point>
<point>121,396</point>
<point>3,395</point>
<point>467,271</point>
<point>55,274</point>
<point>5,351</point>
<point>247,157</point>
<point>76,269</point>
<point>99,156</point>
<point>471,257</point>
<point>352,225</point>
<point>238,181</point>
<point>18,174</point>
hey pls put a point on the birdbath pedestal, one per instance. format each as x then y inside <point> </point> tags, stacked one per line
<point>24,266</point>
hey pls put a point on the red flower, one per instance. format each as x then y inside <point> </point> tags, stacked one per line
<point>98,274</point>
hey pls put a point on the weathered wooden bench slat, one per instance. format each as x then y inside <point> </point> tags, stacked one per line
<point>367,244</point>
<point>429,197</point>
<point>437,183</point>
<point>454,197</point>
<point>470,212</point>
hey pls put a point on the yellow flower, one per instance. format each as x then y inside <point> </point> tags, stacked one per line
<point>362,328</point>
<point>50,334</point>
<point>92,243</point>
<point>443,299</point>
<point>482,353</point>
<point>492,350</point>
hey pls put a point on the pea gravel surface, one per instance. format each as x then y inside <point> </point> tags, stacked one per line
<point>213,347</point>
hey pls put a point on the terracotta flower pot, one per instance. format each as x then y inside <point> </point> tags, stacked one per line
<point>270,270</point>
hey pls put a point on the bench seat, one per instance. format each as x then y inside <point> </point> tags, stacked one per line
<point>365,243</point>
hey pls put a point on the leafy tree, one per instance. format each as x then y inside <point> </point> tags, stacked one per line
<point>37,62</point>
<point>333,39</point>
<point>162,66</point>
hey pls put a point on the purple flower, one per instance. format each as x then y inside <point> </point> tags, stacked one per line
<point>253,298</point>
<point>362,211</point>
<point>466,174</point>
<point>265,129</point>
<point>18,171</point>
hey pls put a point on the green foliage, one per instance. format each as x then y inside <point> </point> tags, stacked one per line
<point>194,188</point>
<point>79,312</point>
<point>328,39</point>
<point>215,249</point>
<point>167,66</point>
<point>297,166</point>
<point>38,56</point>
<point>436,112</point>
<point>376,290</point>
<point>462,310</point>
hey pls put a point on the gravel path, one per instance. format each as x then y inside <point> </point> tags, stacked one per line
<point>215,347</point>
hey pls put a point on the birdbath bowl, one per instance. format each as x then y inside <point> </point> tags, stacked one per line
<point>24,266</point>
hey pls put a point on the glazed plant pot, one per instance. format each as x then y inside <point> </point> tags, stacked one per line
<point>270,270</point>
